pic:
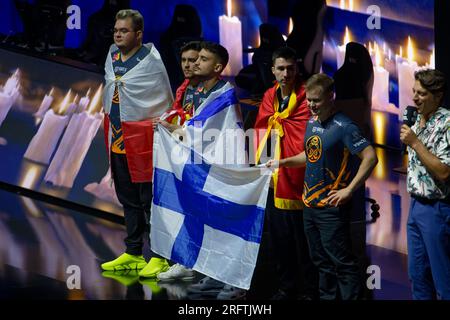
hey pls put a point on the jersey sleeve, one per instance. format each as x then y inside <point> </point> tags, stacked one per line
<point>354,140</point>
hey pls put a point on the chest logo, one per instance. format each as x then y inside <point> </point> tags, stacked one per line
<point>116,57</point>
<point>314,148</point>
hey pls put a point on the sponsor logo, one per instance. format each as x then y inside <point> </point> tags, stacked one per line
<point>317,129</point>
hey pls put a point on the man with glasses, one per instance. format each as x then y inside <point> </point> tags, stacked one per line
<point>137,92</point>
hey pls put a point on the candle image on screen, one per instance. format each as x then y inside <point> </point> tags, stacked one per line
<point>84,102</point>
<point>380,92</point>
<point>431,63</point>
<point>230,33</point>
<point>45,104</point>
<point>9,94</point>
<point>44,142</point>
<point>340,50</point>
<point>73,106</point>
<point>104,190</point>
<point>75,144</point>
<point>406,69</point>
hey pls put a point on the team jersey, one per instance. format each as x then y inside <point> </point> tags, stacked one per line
<point>328,146</point>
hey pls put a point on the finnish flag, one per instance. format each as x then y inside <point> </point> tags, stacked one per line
<point>205,216</point>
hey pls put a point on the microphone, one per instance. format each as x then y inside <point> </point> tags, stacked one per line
<point>409,118</point>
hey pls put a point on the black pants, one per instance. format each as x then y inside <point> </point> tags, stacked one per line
<point>297,274</point>
<point>136,199</point>
<point>328,233</point>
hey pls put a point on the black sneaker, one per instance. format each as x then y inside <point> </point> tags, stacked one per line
<point>206,287</point>
<point>281,295</point>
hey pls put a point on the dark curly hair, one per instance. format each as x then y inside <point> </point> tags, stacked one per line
<point>432,80</point>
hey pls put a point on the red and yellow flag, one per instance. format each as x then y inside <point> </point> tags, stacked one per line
<point>290,127</point>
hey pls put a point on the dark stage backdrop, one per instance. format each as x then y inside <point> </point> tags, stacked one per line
<point>157,15</point>
<point>399,20</point>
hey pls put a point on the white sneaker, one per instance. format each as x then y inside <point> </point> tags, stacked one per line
<point>175,290</point>
<point>177,271</point>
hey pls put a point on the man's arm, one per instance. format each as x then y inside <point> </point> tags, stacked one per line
<point>432,163</point>
<point>296,161</point>
<point>368,161</point>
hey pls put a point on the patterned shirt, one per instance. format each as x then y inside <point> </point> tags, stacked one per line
<point>328,146</point>
<point>436,138</point>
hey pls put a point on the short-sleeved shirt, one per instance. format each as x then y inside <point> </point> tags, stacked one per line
<point>328,146</point>
<point>120,68</point>
<point>436,138</point>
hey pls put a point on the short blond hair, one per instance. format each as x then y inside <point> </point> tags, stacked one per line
<point>136,18</point>
<point>320,80</point>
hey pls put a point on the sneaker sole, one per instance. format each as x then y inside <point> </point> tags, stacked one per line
<point>131,266</point>
<point>153,275</point>
<point>186,278</point>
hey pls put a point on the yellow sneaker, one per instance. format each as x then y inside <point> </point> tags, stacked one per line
<point>154,267</point>
<point>125,277</point>
<point>152,284</point>
<point>125,262</point>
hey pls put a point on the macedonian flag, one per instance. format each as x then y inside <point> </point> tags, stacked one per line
<point>289,127</point>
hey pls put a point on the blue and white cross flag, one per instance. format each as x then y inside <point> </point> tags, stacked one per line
<point>206,216</point>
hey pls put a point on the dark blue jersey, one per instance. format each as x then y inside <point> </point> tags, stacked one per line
<point>200,94</point>
<point>188,100</point>
<point>328,146</point>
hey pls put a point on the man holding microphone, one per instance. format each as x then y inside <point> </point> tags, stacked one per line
<point>428,228</point>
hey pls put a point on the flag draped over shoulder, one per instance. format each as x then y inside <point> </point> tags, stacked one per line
<point>207,217</point>
<point>215,130</point>
<point>290,126</point>
<point>177,115</point>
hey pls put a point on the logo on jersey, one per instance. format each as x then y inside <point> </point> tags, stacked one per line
<point>314,148</point>
<point>357,139</point>
<point>188,107</point>
<point>116,56</point>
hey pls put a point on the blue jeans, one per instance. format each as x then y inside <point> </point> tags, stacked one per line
<point>428,234</point>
